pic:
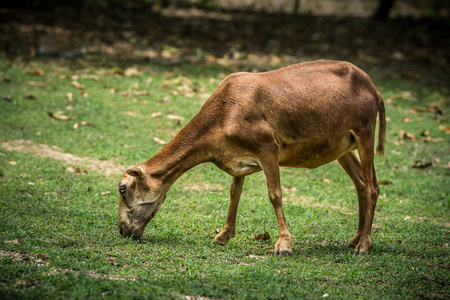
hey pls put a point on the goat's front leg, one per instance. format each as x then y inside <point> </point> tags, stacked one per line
<point>229,229</point>
<point>272,172</point>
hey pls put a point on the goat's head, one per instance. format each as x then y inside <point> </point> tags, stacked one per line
<point>140,198</point>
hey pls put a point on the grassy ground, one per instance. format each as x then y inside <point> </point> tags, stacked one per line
<point>59,236</point>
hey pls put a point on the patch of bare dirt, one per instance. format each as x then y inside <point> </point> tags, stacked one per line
<point>26,146</point>
<point>57,271</point>
<point>20,257</point>
<point>38,259</point>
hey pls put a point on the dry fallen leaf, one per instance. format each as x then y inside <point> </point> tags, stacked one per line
<point>349,214</point>
<point>90,76</point>
<point>131,72</point>
<point>31,97</point>
<point>36,72</point>
<point>33,83</point>
<point>404,134</point>
<point>404,95</point>
<point>263,236</point>
<point>69,96</point>
<point>7,98</point>
<point>126,93</point>
<point>445,128</point>
<point>447,166</point>
<point>60,116</point>
<point>156,114</point>
<point>14,242</point>
<point>83,123</point>
<point>433,108</point>
<point>437,140</point>
<point>42,255</point>
<point>165,99</point>
<point>141,93</point>
<point>425,137</point>
<point>179,119</point>
<point>76,170</point>
<point>78,85</point>
<point>111,260</point>
<point>384,182</point>
<point>419,165</point>
<point>159,141</point>
<point>406,120</point>
<point>132,114</point>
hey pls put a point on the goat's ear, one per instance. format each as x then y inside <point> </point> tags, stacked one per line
<point>135,172</point>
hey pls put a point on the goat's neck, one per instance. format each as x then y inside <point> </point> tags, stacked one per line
<point>187,150</point>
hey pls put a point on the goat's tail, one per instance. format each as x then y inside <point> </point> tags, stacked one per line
<point>382,128</point>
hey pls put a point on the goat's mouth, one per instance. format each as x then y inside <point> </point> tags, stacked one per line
<point>137,232</point>
<point>137,228</point>
<point>125,232</point>
<point>132,231</point>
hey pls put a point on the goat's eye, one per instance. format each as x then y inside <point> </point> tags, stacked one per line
<point>122,190</point>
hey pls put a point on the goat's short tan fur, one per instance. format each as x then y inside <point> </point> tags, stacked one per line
<point>304,115</point>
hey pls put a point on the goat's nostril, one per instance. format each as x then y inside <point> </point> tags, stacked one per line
<point>121,231</point>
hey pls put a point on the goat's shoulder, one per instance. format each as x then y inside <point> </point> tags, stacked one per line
<point>239,86</point>
<point>334,67</point>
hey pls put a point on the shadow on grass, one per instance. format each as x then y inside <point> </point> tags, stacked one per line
<point>145,34</point>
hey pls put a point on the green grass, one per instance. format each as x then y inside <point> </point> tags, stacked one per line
<point>66,225</point>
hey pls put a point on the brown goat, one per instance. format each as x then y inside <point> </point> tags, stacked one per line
<point>302,116</point>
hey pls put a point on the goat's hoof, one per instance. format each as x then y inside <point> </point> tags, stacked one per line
<point>361,251</point>
<point>220,241</point>
<point>222,238</point>
<point>353,242</point>
<point>284,247</point>
<point>363,247</point>
<point>284,253</point>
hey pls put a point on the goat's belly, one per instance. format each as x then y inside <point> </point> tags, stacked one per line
<point>300,160</point>
<point>313,155</point>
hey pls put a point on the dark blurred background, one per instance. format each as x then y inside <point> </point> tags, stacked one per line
<point>412,35</point>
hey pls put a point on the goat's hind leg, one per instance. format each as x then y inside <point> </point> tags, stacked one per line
<point>350,163</point>
<point>366,155</point>
<point>229,229</point>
